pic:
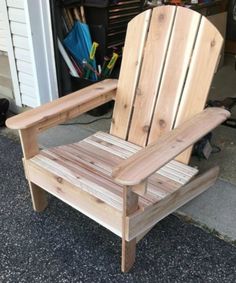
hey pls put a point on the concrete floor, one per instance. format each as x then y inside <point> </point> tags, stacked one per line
<point>215,209</point>
<point>223,85</point>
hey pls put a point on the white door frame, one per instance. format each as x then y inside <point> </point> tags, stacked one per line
<point>38,20</point>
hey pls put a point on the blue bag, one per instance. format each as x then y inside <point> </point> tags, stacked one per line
<point>79,43</point>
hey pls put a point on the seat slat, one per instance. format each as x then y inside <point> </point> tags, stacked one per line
<point>133,148</point>
<point>151,73</point>
<point>88,165</point>
<point>102,162</point>
<point>163,183</point>
<point>170,171</point>
<point>182,167</point>
<point>107,148</point>
<point>117,141</point>
<point>99,187</point>
<point>179,177</point>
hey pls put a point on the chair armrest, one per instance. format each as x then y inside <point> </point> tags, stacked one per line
<point>141,165</point>
<point>65,108</point>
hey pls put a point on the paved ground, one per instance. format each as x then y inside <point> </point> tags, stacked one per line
<point>62,245</point>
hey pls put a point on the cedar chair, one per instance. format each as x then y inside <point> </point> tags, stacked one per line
<point>129,179</point>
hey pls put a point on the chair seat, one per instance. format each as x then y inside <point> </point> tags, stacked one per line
<point>88,165</point>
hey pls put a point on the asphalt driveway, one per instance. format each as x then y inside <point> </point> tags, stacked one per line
<point>62,245</point>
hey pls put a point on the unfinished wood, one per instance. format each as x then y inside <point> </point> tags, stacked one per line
<point>78,199</point>
<point>70,106</point>
<point>134,170</point>
<point>29,143</point>
<point>128,254</point>
<point>201,70</point>
<point>141,236</point>
<point>130,201</point>
<point>81,175</point>
<point>129,73</point>
<point>88,165</point>
<point>130,205</point>
<point>140,189</point>
<point>178,56</point>
<point>174,171</point>
<point>140,221</point>
<point>38,197</point>
<point>30,149</point>
<point>151,73</point>
<point>82,108</point>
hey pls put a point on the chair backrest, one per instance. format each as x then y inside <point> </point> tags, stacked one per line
<point>169,60</point>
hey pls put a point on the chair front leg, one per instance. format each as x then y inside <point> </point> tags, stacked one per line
<point>30,148</point>
<point>130,205</point>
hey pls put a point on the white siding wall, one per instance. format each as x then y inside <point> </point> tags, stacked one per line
<point>23,57</point>
<point>30,50</point>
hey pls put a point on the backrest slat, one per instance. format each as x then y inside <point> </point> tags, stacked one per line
<point>151,73</point>
<point>168,64</point>
<point>201,71</point>
<point>129,73</point>
<point>175,71</point>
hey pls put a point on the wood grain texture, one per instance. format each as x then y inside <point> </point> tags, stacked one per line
<point>129,74</point>
<point>88,165</point>
<point>29,143</point>
<point>130,205</point>
<point>141,221</point>
<point>201,70</point>
<point>128,254</point>
<point>134,170</point>
<point>151,73</point>
<point>77,198</point>
<point>30,149</point>
<point>175,71</point>
<point>66,107</point>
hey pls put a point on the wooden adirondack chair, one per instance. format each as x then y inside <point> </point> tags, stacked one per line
<point>131,178</point>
